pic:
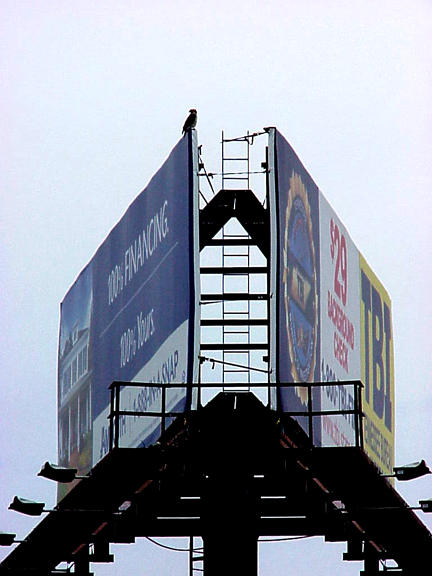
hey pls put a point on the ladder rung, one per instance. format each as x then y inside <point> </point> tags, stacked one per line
<point>230,322</point>
<point>235,312</point>
<point>236,159</point>
<point>234,346</point>
<point>235,296</point>
<point>231,242</point>
<point>227,270</point>
<point>238,330</point>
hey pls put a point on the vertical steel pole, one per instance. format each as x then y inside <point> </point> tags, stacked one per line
<point>163,408</point>
<point>371,561</point>
<point>82,562</point>
<point>116,416</point>
<point>360,396</point>
<point>111,425</point>
<point>191,555</point>
<point>310,417</point>
<point>267,201</point>
<point>230,554</point>
<point>357,414</point>
<point>230,534</point>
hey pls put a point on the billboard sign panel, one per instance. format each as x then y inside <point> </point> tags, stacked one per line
<point>340,324</point>
<point>377,369</point>
<point>331,318</point>
<point>298,278</point>
<point>132,316</point>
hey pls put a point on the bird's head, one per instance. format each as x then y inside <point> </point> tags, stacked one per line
<point>192,111</point>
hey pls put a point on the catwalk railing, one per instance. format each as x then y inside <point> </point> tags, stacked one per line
<point>324,425</point>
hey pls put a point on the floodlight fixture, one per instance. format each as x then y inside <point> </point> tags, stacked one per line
<point>426,505</point>
<point>59,473</point>
<point>29,507</point>
<point>409,471</point>
<point>7,538</point>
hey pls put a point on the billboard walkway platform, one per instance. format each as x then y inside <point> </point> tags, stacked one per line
<point>233,469</point>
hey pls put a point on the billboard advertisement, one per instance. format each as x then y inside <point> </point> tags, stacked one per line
<point>297,280</point>
<point>131,316</point>
<point>377,373</point>
<point>340,325</point>
<point>331,318</point>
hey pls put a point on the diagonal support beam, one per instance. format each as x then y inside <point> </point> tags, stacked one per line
<point>240,204</point>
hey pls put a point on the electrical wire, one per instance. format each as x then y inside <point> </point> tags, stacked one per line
<point>201,549</point>
<point>211,174</point>
<point>208,175</point>
<point>215,361</point>
<point>284,539</point>
<point>172,547</point>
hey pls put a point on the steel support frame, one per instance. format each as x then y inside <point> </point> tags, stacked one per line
<point>230,533</point>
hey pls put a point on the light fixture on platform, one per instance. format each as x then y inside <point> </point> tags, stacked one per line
<point>59,473</point>
<point>8,538</point>
<point>29,507</point>
<point>409,471</point>
<point>426,505</point>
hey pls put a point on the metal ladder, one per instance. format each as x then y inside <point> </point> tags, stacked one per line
<point>238,310</point>
<point>234,280</point>
<point>236,254</point>
<point>196,556</point>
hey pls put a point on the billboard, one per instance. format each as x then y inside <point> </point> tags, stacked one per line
<point>331,318</point>
<point>377,372</point>
<point>295,251</point>
<point>340,325</point>
<point>132,315</point>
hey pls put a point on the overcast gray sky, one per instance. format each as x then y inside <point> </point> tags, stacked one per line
<point>93,98</point>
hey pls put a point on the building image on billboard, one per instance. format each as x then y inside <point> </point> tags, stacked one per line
<point>131,316</point>
<point>332,317</point>
<point>75,376</point>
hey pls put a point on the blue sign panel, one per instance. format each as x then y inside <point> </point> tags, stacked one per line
<point>135,305</point>
<point>296,199</point>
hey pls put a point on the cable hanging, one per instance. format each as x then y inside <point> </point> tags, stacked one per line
<point>208,175</point>
<point>250,137</point>
<point>211,174</point>
<point>283,539</point>
<point>175,549</point>
<point>200,549</point>
<point>215,361</point>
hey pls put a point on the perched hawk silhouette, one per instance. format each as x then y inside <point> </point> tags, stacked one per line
<point>191,121</point>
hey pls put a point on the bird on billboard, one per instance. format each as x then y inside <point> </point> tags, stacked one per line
<point>190,121</point>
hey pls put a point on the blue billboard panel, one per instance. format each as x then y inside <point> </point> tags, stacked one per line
<point>134,310</point>
<point>295,239</point>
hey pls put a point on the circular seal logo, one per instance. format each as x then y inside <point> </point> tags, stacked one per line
<point>300,285</point>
